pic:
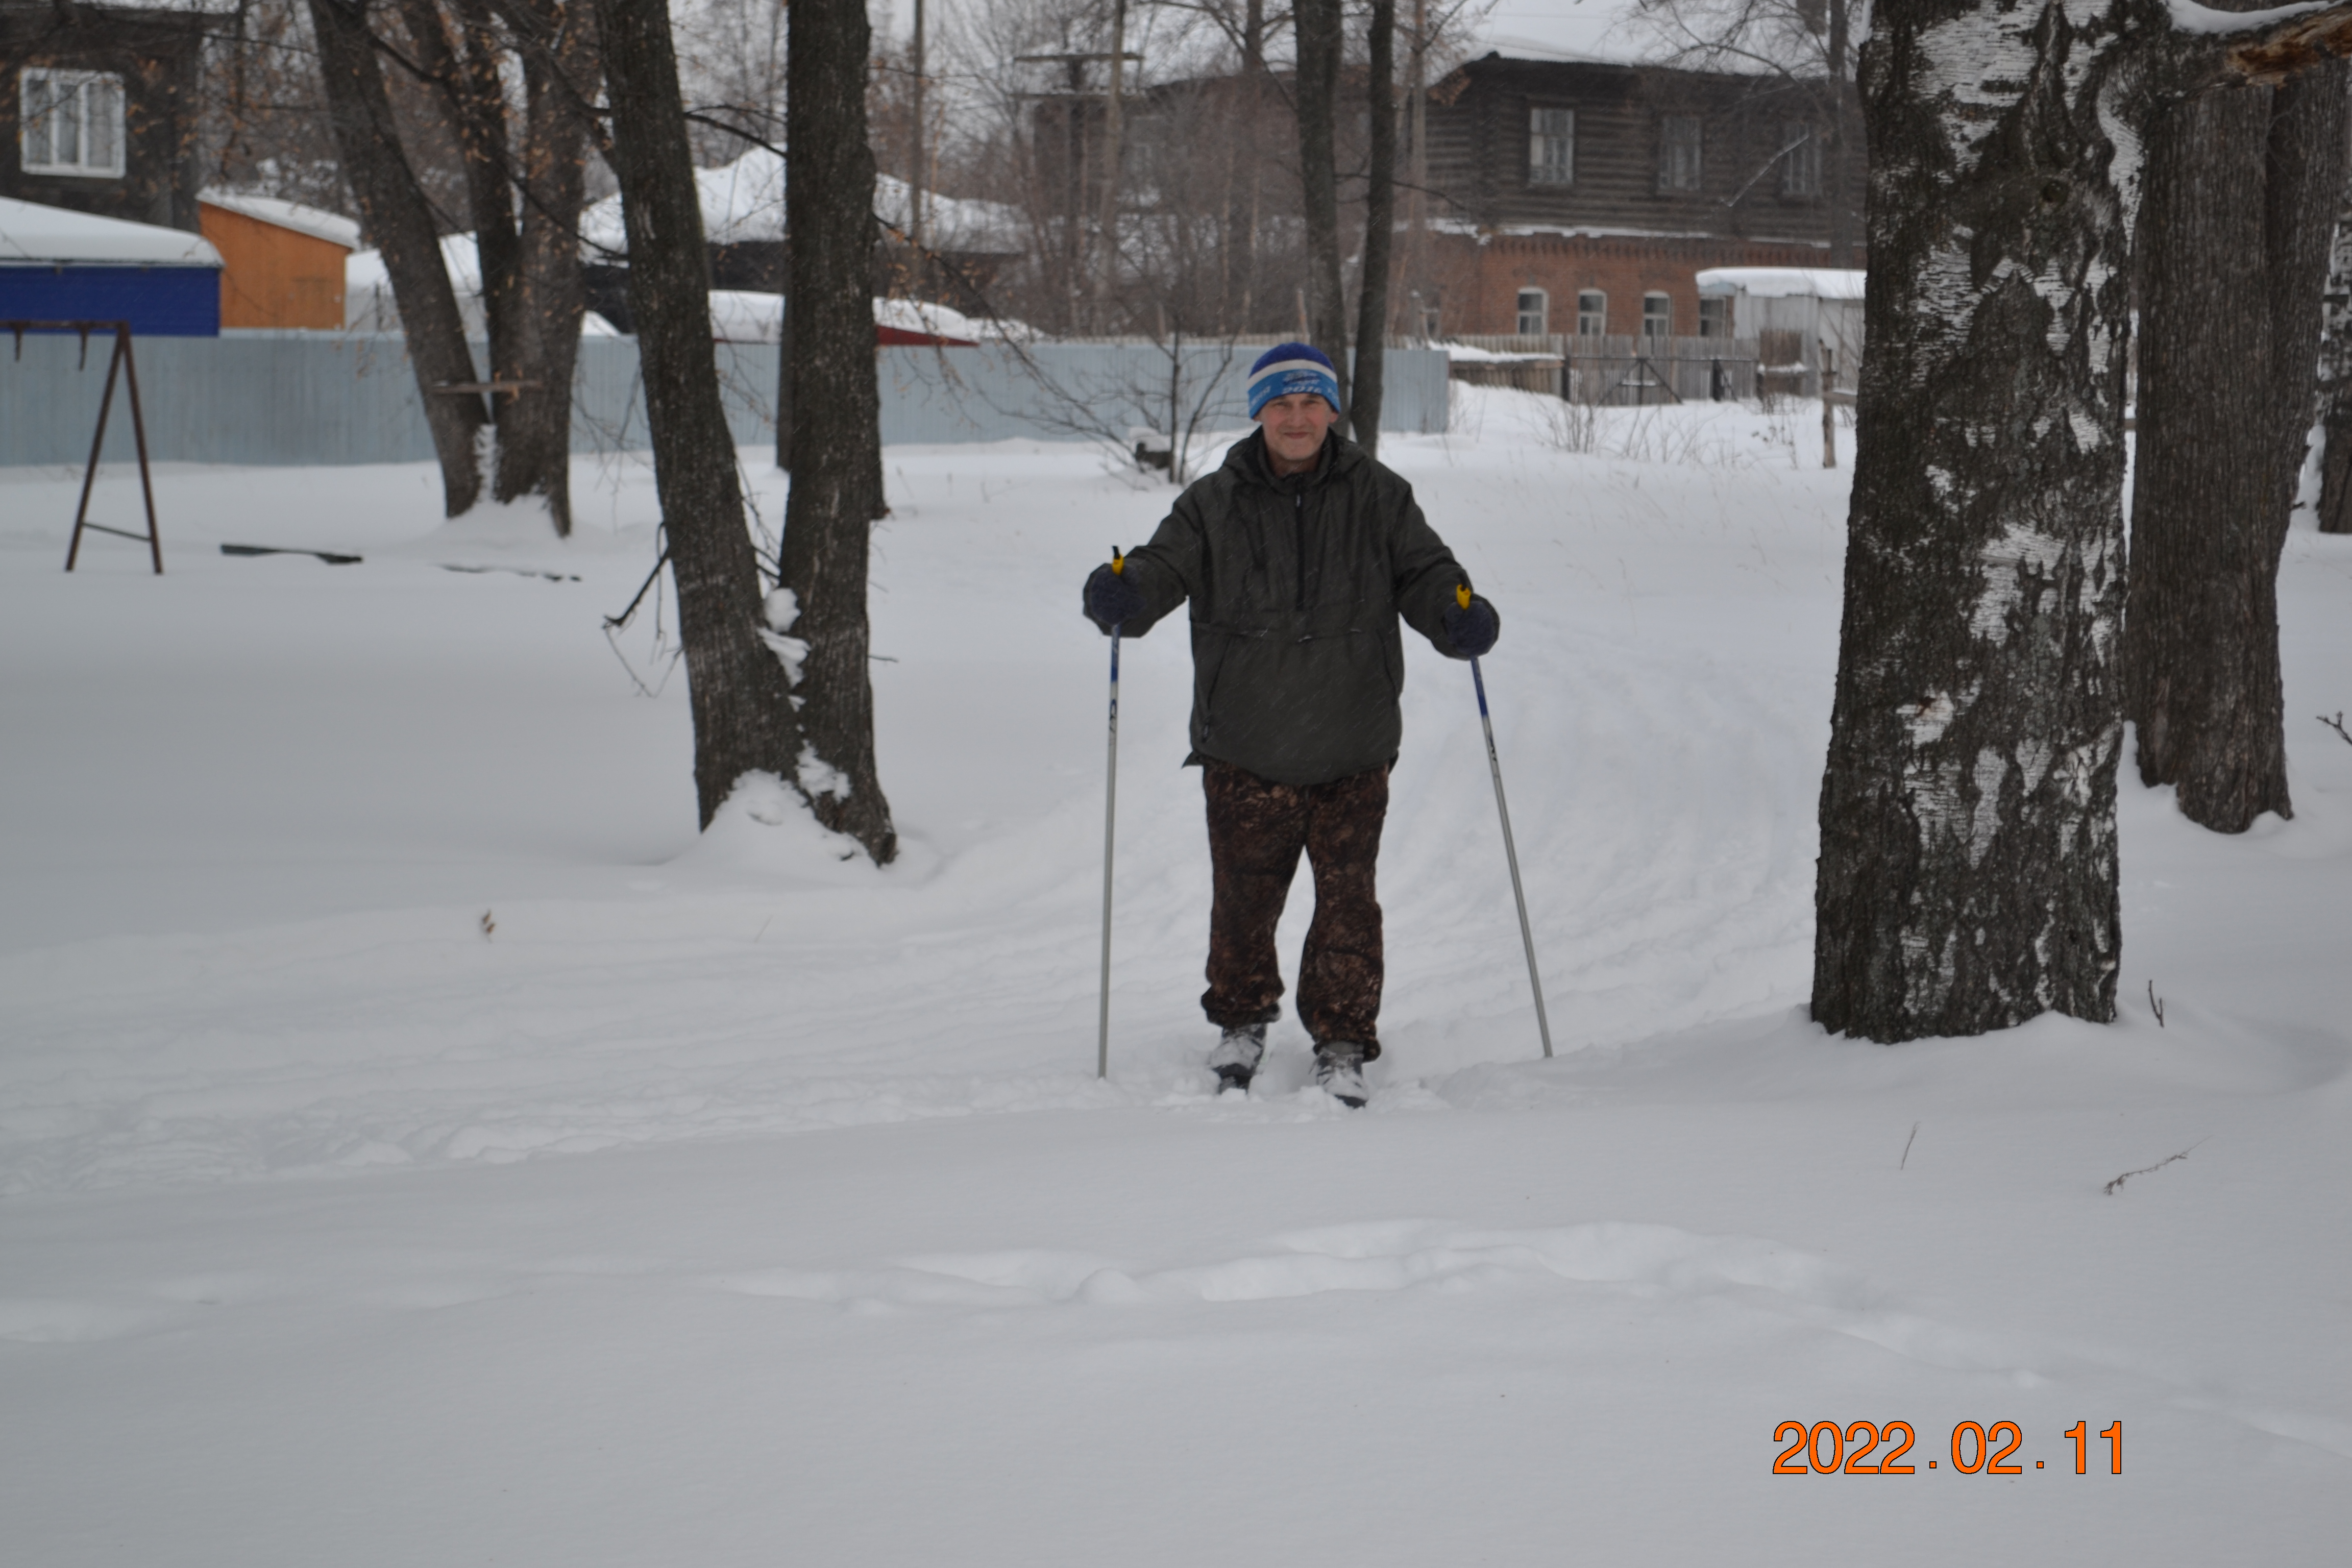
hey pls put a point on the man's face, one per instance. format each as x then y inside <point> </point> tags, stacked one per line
<point>1295,426</point>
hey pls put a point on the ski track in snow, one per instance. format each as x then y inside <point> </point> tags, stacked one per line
<point>962,982</point>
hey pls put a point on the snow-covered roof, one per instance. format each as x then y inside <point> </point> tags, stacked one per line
<point>1783,282</point>
<point>332,227</point>
<point>30,232</point>
<point>940,321</point>
<point>744,200</point>
<point>743,316</point>
<point>365,268</point>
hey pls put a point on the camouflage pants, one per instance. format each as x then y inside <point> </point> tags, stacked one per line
<point>1256,830</point>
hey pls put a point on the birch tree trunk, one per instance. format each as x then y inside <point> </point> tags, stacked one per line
<point>2241,185</point>
<point>741,697</point>
<point>400,222</point>
<point>1317,24</point>
<point>836,490</point>
<point>1966,879</point>
<point>2336,376</point>
<point>1379,231</point>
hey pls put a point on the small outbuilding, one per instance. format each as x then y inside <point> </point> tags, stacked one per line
<point>282,263</point>
<point>57,266</point>
<point>1802,318</point>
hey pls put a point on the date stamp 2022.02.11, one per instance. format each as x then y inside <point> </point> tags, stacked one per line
<point>1868,1448</point>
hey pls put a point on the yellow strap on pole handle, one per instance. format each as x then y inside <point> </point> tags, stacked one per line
<point>1117,562</point>
<point>1462,595</point>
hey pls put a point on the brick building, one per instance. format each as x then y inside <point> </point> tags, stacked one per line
<point>1576,197</point>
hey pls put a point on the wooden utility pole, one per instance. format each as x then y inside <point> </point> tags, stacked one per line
<point>1107,258</point>
<point>917,173</point>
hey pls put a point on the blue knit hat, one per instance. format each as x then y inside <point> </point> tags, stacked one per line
<point>1287,368</point>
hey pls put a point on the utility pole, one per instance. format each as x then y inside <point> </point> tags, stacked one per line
<point>1417,218</point>
<point>915,183</point>
<point>1107,278</point>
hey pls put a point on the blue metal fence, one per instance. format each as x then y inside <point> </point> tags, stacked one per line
<point>285,398</point>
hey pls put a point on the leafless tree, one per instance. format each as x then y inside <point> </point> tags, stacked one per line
<point>1809,43</point>
<point>1967,873</point>
<point>2242,188</point>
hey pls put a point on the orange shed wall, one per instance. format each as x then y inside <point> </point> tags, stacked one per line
<point>274,277</point>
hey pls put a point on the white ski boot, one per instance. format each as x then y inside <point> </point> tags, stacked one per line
<point>1235,1059</point>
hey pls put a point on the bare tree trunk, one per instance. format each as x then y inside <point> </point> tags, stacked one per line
<point>741,699</point>
<point>1967,877</point>
<point>2241,185</point>
<point>836,490</point>
<point>2335,377</point>
<point>400,222</point>
<point>535,435</point>
<point>1317,23</point>
<point>1841,44</point>
<point>1380,230</point>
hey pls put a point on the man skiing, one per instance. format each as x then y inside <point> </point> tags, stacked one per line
<point>1298,555</point>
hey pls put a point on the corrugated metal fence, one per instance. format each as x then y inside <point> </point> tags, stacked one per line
<point>275,398</point>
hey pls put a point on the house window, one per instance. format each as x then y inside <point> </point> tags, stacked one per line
<point>1551,146</point>
<point>72,123</point>
<point>1679,138</point>
<point>1591,313</point>
<point>1534,307</point>
<point>1658,316</point>
<point>1713,317</point>
<point>1801,160</point>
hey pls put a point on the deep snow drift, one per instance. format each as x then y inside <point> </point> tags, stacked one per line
<point>417,1144</point>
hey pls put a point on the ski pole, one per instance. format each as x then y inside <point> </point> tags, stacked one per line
<point>1110,837</point>
<point>1510,851</point>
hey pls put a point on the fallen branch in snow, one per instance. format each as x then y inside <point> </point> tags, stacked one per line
<point>488,925</point>
<point>2155,1004</point>
<point>1906,1161</point>
<point>2337,724</point>
<point>2110,1188</point>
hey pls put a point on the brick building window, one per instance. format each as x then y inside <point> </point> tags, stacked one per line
<point>1535,309</point>
<point>1591,313</point>
<point>1658,316</point>
<point>1551,146</point>
<point>1680,137</point>
<point>1800,163</point>
<point>72,123</point>
<point>1713,317</point>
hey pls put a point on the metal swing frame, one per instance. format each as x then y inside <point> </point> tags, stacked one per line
<point>119,362</point>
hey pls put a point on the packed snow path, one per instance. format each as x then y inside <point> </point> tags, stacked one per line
<point>396,1092</point>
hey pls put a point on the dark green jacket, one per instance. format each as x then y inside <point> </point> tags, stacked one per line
<point>1296,586</point>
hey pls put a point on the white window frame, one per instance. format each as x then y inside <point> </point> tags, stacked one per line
<point>1591,313</point>
<point>1801,160</point>
<point>1551,146</point>
<point>1682,153</point>
<point>1542,312</point>
<point>1649,318</point>
<point>95,99</point>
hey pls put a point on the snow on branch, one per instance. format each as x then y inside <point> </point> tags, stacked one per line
<point>2267,47</point>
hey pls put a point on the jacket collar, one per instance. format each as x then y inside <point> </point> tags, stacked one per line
<point>1247,460</point>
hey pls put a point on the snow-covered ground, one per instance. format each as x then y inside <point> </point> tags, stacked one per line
<point>418,1145</point>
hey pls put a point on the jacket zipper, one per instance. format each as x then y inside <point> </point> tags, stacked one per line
<point>1298,510</point>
